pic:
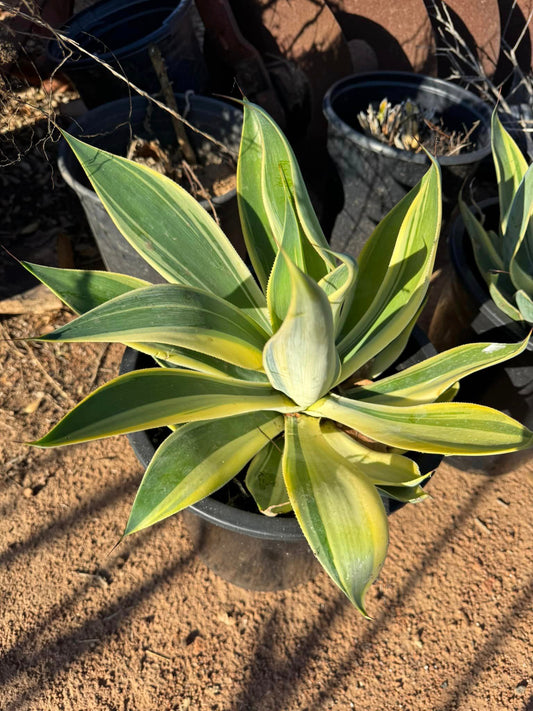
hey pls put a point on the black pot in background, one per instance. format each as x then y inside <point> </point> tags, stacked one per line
<point>251,550</point>
<point>111,128</point>
<point>466,313</point>
<point>375,176</point>
<point>120,33</point>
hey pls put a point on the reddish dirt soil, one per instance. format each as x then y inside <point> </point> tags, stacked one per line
<point>146,626</point>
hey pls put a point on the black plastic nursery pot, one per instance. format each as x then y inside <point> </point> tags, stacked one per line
<point>111,128</point>
<point>248,549</point>
<point>466,313</point>
<point>376,176</point>
<point>121,33</point>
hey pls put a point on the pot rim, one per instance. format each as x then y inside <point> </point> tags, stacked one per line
<point>55,52</point>
<point>126,106</point>
<point>467,272</point>
<point>420,82</point>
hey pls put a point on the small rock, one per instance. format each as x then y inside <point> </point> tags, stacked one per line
<point>226,619</point>
<point>520,688</point>
<point>32,406</point>
<point>27,492</point>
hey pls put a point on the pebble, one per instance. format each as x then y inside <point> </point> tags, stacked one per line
<point>521,688</point>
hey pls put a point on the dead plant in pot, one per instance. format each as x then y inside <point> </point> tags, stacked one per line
<point>505,258</point>
<point>272,373</point>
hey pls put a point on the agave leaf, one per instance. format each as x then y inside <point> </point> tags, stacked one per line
<point>499,288</point>
<point>521,269</point>
<point>263,200</point>
<point>405,494</point>
<point>495,240</point>
<point>168,356</point>
<point>360,362</point>
<point>510,165</point>
<point>450,394</point>
<point>374,260</point>
<point>390,354</point>
<point>195,461</point>
<point>177,315</point>
<point>264,480</point>
<point>156,397</point>
<point>301,359</point>
<point>279,283</point>
<point>394,272</point>
<point>426,381</point>
<point>338,509</point>
<point>519,226</point>
<point>487,257</point>
<point>83,290</point>
<point>381,468</point>
<point>437,428</point>
<point>521,260</point>
<point>525,304</point>
<point>170,229</point>
<point>339,286</point>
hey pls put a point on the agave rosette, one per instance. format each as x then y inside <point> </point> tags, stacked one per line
<point>270,374</point>
<point>505,258</point>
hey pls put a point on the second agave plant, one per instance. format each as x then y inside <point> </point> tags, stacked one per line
<point>275,372</point>
<point>505,258</point>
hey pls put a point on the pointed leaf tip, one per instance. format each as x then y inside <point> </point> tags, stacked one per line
<point>339,510</point>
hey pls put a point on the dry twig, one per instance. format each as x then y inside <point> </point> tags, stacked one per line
<point>98,365</point>
<point>183,140</point>
<point>198,188</point>
<point>57,387</point>
<point>467,70</point>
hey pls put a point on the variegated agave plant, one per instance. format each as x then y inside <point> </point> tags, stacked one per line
<point>270,374</point>
<point>505,259</point>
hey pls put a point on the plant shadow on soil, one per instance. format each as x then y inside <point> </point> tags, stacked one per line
<point>59,653</point>
<point>281,682</point>
<point>270,677</point>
